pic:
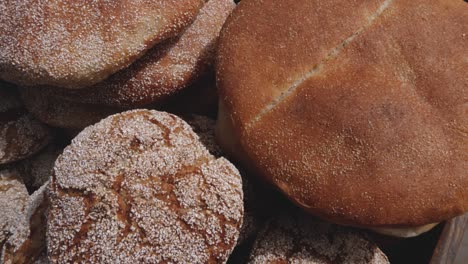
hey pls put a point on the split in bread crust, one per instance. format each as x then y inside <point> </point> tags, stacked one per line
<point>361,122</point>
<point>139,186</point>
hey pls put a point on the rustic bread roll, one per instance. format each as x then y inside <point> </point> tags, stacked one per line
<point>293,239</point>
<point>139,186</point>
<point>21,135</point>
<point>13,202</point>
<point>22,220</point>
<point>27,241</point>
<point>356,110</point>
<point>164,70</point>
<point>76,44</point>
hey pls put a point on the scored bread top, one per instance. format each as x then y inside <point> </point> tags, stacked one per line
<point>74,44</point>
<point>356,110</point>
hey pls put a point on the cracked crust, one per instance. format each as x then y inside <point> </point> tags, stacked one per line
<point>298,239</point>
<point>204,127</point>
<point>166,69</point>
<point>139,186</point>
<point>73,44</point>
<point>21,135</point>
<point>370,108</point>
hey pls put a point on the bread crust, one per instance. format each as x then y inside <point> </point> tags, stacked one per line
<point>21,135</point>
<point>164,70</point>
<point>361,122</point>
<point>74,44</point>
<point>140,186</point>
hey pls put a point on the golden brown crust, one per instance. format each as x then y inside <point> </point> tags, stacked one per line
<point>361,122</point>
<point>74,44</point>
<point>166,69</point>
<point>59,112</point>
<point>21,135</point>
<point>139,186</point>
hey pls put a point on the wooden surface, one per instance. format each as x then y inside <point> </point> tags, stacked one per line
<point>450,239</point>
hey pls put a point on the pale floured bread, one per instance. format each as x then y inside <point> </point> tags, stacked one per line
<point>355,110</point>
<point>13,202</point>
<point>76,44</point>
<point>59,112</point>
<point>166,69</point>
<point>27,241</point>
<point>139,186</point>
<point>21,135</point>
<point>291,239</point>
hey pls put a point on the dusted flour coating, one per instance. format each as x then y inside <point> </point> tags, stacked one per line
<point>298,239</point>
<point>21,135</point>
<point>164,70</point>
<point>139,186</point>
<point>204,127</point>
<point>22,220</point>
<point>13,201</point>
<point>75,44</point>
<point>37,170</point>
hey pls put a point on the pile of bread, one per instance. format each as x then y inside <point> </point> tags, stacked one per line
<point>355,111</point>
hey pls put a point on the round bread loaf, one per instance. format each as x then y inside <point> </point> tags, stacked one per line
<point>27,241</point>
<point>75,44</point>
<point>13,202</point>
<point>139,186</point>
<point>293,239</point>
<point>356,110</point>
<point>164,70</point>
<point>21,135</point>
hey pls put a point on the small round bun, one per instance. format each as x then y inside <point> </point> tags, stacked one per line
<point>355,110</point>
<point>21,135</point>
<point>298,239</point>
<point>164,70</point>
<point>13,202</point>
<point>75,44</point>
<point>22,220</point>
<point>139,186</point>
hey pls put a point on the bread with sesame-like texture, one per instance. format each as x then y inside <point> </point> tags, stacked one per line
<point>356,98</point>
<point>139,186</point>
<point>37,170</point>
<point>204,127</point>
<point>77,44</point>
<point>13,201</point>
<point>164,70</point>
<point>298,239</point>
<point>26,245</point>
<point>21,135</point>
